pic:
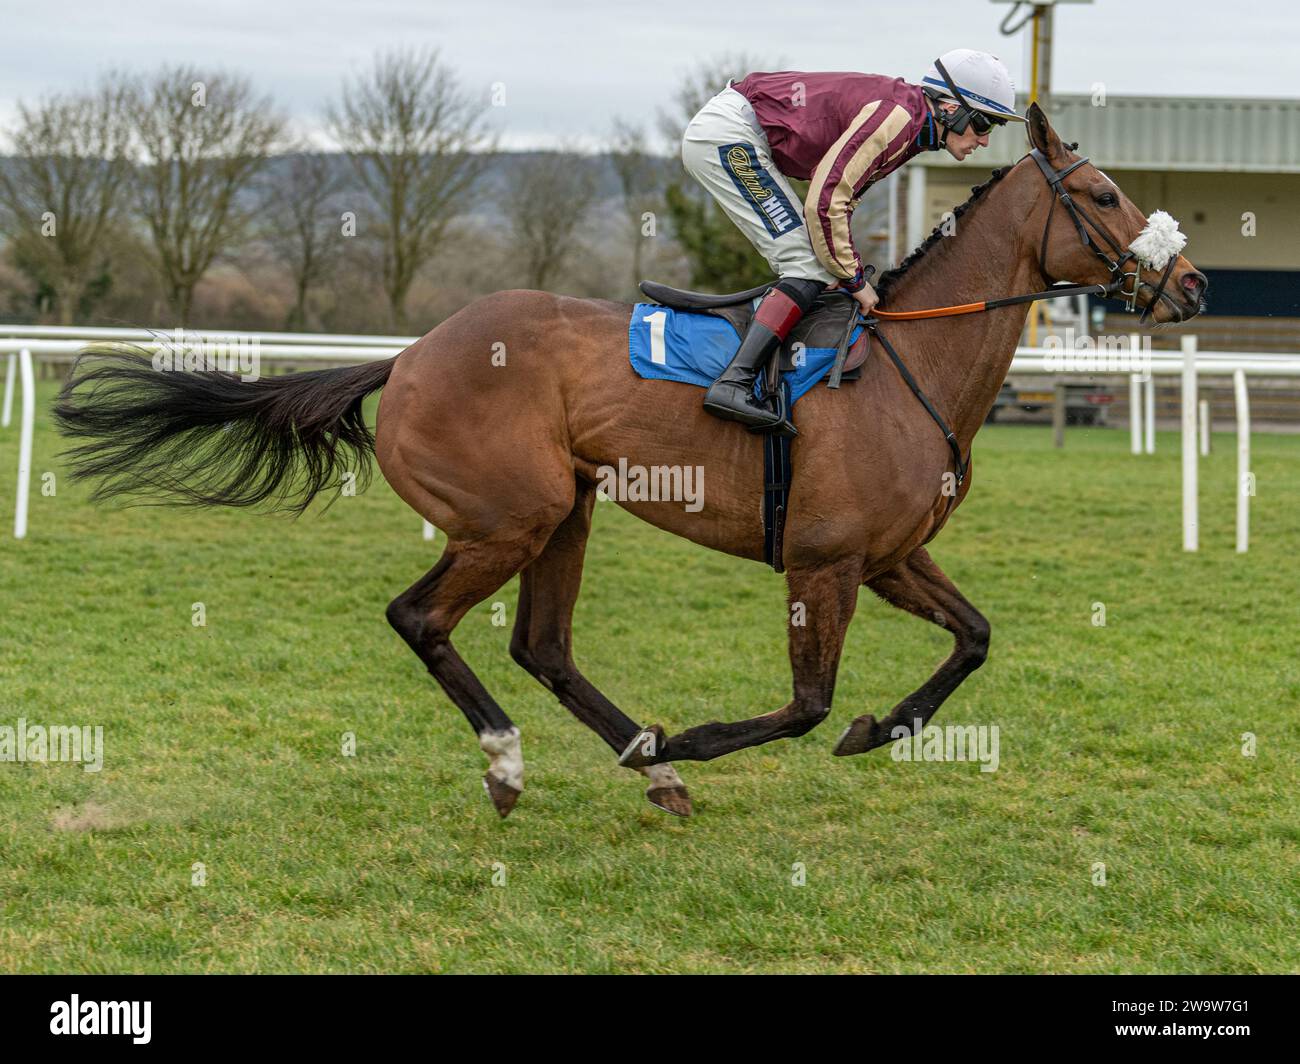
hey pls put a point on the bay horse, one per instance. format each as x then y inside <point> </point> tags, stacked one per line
<point>496,427</point>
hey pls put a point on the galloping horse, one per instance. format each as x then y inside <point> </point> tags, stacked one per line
<point>869,466</point>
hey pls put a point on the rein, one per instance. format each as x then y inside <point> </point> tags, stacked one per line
<point>1059,292</point>
<point>1119,275</point>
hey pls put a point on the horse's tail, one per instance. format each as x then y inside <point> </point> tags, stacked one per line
<point>211,439</point>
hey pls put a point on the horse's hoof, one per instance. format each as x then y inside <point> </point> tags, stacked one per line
<point>648,747</point>
<point>859,737</point>
<point>673,800</point>
<point>502,794</point>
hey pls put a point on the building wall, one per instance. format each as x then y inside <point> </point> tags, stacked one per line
<point>1249,275</point>
<point>1208,207</point>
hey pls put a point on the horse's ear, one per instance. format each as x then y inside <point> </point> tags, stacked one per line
<point>1041,134</point>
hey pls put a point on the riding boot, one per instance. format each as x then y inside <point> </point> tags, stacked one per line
<point>732,396</point>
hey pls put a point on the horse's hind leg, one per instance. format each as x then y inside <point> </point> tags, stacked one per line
<point>829,596</point>
<point>543,644</point>
<point>425,614</point>
<point>919,586</point>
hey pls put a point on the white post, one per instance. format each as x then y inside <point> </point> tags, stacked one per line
<point>916,205</point>
<point>1190,457</point>
<point>7,416</point>
<point>1149,412</point>
<point>428,530</point>
<point>1135,412</point>
<point>25,442</point>
<point>1243,459</point>
<point>1203,408</point>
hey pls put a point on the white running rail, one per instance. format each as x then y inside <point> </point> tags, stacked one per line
<point>22,344</point>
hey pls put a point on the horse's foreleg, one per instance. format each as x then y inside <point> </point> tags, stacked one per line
<point>822,601</point>
<point>919,586</point>
<point>542,643</point>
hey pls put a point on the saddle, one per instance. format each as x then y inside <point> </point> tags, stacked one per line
<point>828,323</point>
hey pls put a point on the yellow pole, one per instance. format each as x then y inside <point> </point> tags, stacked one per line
<point>1035,66</point>
<point>1033,62</point>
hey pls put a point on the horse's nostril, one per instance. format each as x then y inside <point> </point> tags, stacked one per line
<point>1195,283</point>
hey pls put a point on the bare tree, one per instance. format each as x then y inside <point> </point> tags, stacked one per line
<point>302,223</point>
<point>543,222</point>
<point>699,85</point>
<point>417,144</point>
<point>62,190</point>
<point>638,175</point>
<point>202,138</point>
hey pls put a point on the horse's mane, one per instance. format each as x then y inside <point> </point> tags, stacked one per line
<point>889,279</point>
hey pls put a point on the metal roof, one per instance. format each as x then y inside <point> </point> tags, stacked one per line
<point>1231,134</point>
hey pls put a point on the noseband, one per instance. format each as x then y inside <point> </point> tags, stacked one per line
<point>1123,257</point>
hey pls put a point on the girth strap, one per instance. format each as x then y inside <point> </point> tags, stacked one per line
<point>776,496</point>
<point>951,438</point>
<point>777,469</point>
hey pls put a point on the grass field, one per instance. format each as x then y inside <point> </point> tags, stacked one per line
<point>1119,744</point>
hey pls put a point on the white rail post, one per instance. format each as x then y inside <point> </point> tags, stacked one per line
<point>1135,412</point>
<point>1135,393</point>
<point>7,415</point>
<point>1149,412</point>
<point>1243,459</point>
<point>1203,408</point>
<point>1190,457</point>
<point>25,442</point>
<point>428,530</point>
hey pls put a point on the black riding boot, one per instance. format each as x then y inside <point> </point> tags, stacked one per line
<point>731,396</point>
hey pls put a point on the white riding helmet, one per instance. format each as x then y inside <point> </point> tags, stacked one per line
<point>981,78</point>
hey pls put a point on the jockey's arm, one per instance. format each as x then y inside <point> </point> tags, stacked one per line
<point>851,164</point>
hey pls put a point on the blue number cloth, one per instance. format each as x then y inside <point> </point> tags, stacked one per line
<point>695,348</point>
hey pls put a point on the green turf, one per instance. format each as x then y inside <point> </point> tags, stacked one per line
<point>1119,745</point>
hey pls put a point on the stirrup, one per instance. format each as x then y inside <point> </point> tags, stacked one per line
<point>781,427</point>
<point>741,413</point>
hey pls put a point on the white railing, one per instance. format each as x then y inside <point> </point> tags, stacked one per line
<point>266,352</point>
<point>77,332</point>
<point>28,426</point>
<point>21,343</point>
<point>1188,364</point>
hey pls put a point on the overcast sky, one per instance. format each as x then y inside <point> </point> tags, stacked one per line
<point>569,68</point>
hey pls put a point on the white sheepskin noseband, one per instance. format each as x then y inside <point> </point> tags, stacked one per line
<point>1159,241</point>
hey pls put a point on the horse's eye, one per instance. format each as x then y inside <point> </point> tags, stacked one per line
<point>1107,199</point>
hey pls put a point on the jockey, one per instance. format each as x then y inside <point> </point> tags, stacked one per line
<point>841,133</point>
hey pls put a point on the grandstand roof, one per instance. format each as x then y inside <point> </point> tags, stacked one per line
<point>1242,134</point>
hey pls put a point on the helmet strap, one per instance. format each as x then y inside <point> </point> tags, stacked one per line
<point>937,114</point>
<point>961,118</point>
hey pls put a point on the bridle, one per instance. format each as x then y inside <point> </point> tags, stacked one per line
<point>1123,265</point>
<point>1123,257</point>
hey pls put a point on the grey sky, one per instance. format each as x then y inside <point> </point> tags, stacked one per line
<point>569,68</point>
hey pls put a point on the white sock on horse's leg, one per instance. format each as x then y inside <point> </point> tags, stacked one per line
<point>505,756</point>
<point>662,775</point>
